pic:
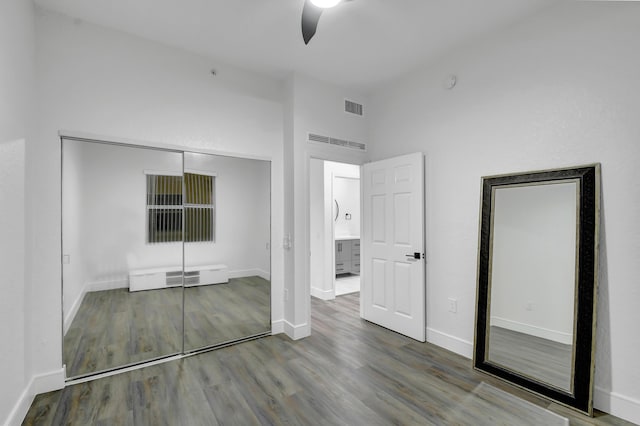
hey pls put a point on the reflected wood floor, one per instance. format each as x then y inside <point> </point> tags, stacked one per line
<point>114,328</point>
<point>348,372</point>
<point>541,359</point>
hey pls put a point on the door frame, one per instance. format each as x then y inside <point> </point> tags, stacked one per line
<point>333,223</point>
<point>156,146</point>
<point>324,156</point>
<point>360,161</point>
<point>329,251</point>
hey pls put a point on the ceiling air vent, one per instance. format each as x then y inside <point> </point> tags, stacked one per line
<point>352,107</point>
<point>359,146</point>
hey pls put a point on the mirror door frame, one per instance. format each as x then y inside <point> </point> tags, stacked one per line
<point>588,178</point>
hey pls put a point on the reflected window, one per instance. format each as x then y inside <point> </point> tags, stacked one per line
<point>165,206</point>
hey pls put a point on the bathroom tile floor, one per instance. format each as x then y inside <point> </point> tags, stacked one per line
<point>347,284</point>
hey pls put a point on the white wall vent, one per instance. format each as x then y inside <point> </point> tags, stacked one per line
<point>313,137</point>
<point>352,107</point>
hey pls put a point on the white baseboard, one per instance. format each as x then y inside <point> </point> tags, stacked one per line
<point>68,318</point>
<point>603,400</point>
<point>241,273</point>
<point>264,274</point>
<point>107,285</point>
<point>322,294</point>
<point>451,343</point>
<point>48,382</point>
<point>616,405</point>
<point>20,410</point>
<point>38,384</point>
<point>277,327</point>
<point>544,333</point>
<point>296,332</point>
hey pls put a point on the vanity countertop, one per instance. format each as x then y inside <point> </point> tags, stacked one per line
<point>347,237</point>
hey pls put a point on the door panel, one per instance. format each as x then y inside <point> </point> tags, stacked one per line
<point>227,258</point>
<point>122,256</point>
<point>393,291</point>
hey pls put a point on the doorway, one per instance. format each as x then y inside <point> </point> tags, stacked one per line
<point>335,226</point>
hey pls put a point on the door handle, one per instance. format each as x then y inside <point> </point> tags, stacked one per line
<point>415,255</point>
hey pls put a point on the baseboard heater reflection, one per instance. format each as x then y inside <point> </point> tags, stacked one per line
<point>155,278</point>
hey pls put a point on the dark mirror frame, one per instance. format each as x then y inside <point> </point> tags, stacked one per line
<point>588,177</point>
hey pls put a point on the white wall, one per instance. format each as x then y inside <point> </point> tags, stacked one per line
<point>73,273</point>
<point>318,107</point>
<point>558,90</point>
<point>109,83</point>
<point>317,231</point>
<point>16,102</point>
<point>13,358</point>
<point>533,260</point>
<point>346,191</point>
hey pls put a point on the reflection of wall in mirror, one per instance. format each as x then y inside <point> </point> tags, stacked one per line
<point>104,217</point>
<point>72,199</point>
<point>243,216</point>
<point>534,259</point>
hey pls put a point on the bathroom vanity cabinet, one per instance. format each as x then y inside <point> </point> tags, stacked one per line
<point>347,256</point>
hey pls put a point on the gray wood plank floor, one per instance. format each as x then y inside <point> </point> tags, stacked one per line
<point>541,359</point>
<point>348,372</point>
<point>114,328</point>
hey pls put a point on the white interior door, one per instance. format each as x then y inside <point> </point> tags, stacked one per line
<point>393,285</point>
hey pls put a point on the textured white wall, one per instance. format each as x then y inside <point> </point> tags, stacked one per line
<point>558,90</point>
<point>16,100</point>
<point>109,83</point>
<point>13,357</point>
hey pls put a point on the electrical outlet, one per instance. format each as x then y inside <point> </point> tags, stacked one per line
<point>286,294</point>
<point>529,306</point>
<point>453,305</point>
<point>66,259</point>
<point>268,246</point>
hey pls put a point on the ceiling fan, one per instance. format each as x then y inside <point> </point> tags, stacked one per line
<point>311,15</point>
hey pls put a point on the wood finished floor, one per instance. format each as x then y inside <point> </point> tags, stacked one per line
<point>541,359</point>
<point>114,328</point>
<point>348,372</point>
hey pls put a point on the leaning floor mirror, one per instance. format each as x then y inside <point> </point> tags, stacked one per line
<point>537,282</point>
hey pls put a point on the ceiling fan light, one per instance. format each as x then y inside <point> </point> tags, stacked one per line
<point>325,4</point>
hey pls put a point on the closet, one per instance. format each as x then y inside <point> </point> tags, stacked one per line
<point>164,252</point>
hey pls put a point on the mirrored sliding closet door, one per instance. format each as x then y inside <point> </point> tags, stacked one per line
<point>164,253</point>
<point>226,251</point>
<point>122,255</point>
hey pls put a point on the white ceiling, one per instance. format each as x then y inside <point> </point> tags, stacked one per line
<point>358,44</point>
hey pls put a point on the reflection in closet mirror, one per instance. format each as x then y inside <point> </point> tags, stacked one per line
<point>107,323</point>
<point>140,226</point>
<point>227,280</point>
<point>537,281</point>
